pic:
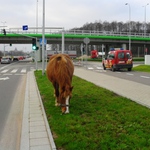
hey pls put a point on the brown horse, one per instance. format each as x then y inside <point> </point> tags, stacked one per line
<point>60,72</point>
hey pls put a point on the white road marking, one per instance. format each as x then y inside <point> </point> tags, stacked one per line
<point>6,78</point>
<point>130,74</point>
<point>23,71</point>
<point>90,68</point>
<point>99,67</point>
<point>14,71</point>
<point>4,71</point>
<point>145,77</point>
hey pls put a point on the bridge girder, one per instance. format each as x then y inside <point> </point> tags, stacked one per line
<point>68,40</point>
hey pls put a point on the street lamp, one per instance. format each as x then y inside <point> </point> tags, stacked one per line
<point>43,37</point>
<point>4,34</point>
<point>37,16</point>
<point>145,19</point>
<point>129,25</point>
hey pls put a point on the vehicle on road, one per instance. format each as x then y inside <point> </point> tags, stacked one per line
<point>118,59</point>
<point>94,54</point>
<point>5,60</point>
<point>15,59</point>
<point>72,54</point>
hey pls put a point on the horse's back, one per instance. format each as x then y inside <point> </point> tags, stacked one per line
<point>59,66</point>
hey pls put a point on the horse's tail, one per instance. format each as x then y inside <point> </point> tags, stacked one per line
<point>61,58</point>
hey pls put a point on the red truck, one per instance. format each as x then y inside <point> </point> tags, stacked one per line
<point>118,59</point>
<point>94,54</point>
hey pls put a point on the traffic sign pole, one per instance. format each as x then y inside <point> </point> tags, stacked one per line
<point>86,41</point>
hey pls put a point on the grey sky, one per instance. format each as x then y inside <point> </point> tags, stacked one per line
<point>69,13</point>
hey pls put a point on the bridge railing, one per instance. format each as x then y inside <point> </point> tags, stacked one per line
<point>106,33</point>
<point>48,30</point>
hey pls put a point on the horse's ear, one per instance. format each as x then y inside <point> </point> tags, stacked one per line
<point>71,88</point>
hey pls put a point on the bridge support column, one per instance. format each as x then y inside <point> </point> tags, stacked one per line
<point>124,46</point>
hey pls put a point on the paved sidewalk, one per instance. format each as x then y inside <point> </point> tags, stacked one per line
<point>137,92</point>
<point>36,134</point>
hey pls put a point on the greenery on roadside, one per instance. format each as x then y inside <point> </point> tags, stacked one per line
<point>98,119</point>
<point>135,59</point>
<point>138,59</point>
<point>142,68</point>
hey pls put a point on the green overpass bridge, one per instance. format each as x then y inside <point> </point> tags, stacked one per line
<point>53,36</point>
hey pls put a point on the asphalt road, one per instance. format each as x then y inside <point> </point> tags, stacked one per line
<point>139,77</point>
<point>12,90</point>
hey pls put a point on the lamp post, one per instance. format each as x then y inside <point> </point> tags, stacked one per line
<point>4,27</point>
<point>37,16</point>
<point>129,25</point>
<point>145,18</point>
<point>43,37</point>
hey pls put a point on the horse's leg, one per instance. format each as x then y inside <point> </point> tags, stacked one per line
<point>56,92</point>
<point>67,105</point>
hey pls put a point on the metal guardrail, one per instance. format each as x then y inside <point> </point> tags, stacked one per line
<point>59,30</point>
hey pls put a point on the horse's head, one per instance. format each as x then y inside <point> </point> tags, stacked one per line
<point>65,97</point>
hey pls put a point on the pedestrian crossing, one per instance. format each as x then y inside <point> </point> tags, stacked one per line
<point>15,71</point>
<point>96,68</point>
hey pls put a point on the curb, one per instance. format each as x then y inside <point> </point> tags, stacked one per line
<point>53,146</point>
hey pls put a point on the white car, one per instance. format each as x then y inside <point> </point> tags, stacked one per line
<point>5,61</point>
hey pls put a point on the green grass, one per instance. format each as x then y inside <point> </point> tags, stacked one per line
<point>142,68</point>
<point>98,119</point>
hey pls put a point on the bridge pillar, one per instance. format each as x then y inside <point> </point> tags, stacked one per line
<point>124,46</point>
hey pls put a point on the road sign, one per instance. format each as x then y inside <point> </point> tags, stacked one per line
<point>25,27</point>
<point>45,41</point>
<point>86,40</point>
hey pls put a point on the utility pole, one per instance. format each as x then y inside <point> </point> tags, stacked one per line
<point>43,37</point>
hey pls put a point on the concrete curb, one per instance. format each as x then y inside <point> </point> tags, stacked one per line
<point>24,142</point>
<point>53,146</point>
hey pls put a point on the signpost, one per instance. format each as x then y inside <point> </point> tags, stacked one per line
<point>25,27</point>
<point>41,41</point>
<point>86,41</point>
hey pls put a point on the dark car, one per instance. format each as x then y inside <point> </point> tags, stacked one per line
<point>15,59</point>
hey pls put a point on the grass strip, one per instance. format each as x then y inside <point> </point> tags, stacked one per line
<point>98,119</point>
<point>142,68</point>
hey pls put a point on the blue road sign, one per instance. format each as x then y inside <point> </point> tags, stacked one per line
<point>25,27</point>
<point>45,41</point>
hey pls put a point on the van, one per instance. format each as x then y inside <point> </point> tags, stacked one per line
<point>118,59</point>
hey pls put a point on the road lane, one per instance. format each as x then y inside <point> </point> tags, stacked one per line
<point>139,77</point>
<point>11,104</point>
<point>11,131</point>
<point>12,90</point>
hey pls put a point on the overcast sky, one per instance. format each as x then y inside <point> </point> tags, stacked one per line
<point>69,13</point>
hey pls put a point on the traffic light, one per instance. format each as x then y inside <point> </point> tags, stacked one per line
<point>34,44</point>
<point>4,31</point>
